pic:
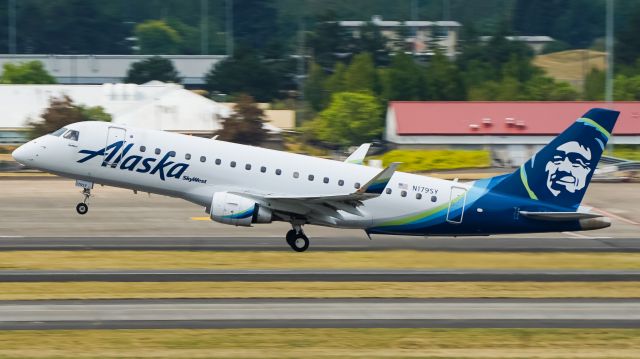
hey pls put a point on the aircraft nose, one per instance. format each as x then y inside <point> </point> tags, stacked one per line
<point>22,154</point>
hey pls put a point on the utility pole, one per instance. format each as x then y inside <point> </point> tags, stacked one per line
<point>12,26</point>
<point>204,27</point>
<point>229,25</point>
<point>609,46</point>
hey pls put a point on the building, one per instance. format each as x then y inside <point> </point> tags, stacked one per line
<point>421,34</point>
<point>154,105</point>
<point>536,43</point>
<point>513,131</point>
<point>99,69</point>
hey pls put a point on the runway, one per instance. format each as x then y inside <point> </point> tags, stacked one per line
<point>347,243</point>
<point>300,275</point>
<point>313,313</point>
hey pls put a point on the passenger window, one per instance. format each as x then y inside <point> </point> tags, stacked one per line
<point>325,180</point>
<point>59,132</point>
<point>278,172</point>
<point>142,148</point>
<point>388,190</point>
<point>172,153</point>
<point>72,135</point>
<point>157,151</point>
<point>296,175</point>
<point>218,161</point>
<point>233,164</point>
<point>403,193</point>
<point>247,166</point>
<point>187,156</point>
<point>418,195</point>
<point>357,185</point>
<point>311,177</point>
<point>263,169</point>
<point>340,182</point>
<point>434,198</point>
<point>203,159</point>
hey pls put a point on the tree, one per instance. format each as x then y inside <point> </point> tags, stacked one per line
<point>255,23</point>
<point>594,85</point>
<point>63,111</point>
<point>245,125</point>
<point>327,40</point>
<point>154,68</point>
<point>351,119</point>
<point>314,91</point>
<point>373,42</point>
<point>69,27</point>
<point>31,72</point>
<point>404,80</point>
<point>443,77</point>
<point>245,72</point>
<point>156,37</point>
<point>361,74</point>
<point>628,42</point>
<point>337,82</point>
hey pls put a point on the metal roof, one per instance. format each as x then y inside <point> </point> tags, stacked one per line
<point>501,118</point>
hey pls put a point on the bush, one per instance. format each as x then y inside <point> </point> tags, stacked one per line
<point>428,160</point>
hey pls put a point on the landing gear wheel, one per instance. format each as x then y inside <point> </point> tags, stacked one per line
<point>300,243</point>
<point>82,208</point>
<point>291,236</point>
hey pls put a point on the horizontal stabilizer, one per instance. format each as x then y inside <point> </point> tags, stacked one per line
<point>559,216</point>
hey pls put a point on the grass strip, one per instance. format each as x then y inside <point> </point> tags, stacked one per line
<point>169,290</point>
<point>403,259</point>
<point>323,343</point>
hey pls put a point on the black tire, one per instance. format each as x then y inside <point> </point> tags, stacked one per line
<point>300,244</point>
<point>82,208</point>
<point>291,236</point>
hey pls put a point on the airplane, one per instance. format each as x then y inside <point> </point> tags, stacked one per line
<point>244,185</point>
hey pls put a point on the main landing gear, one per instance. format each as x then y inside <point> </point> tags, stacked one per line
<point>297,239</point>
<point>82,207</point>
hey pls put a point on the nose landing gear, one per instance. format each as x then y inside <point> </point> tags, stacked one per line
<point>82,207</point>
<point>297,240</point>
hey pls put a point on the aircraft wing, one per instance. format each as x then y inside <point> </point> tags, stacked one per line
<point>324,207</point>
<point>357,157</point>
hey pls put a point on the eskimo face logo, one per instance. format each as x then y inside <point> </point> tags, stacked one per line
<point>568,169</point>
<point>113,157</point>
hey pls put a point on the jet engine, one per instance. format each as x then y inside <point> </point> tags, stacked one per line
<point>236,210</point>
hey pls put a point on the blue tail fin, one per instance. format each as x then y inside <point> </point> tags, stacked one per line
<point>561,171</point>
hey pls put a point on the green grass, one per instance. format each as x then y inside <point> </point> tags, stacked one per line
<point>626,152</point>
<point>323,343</point>
<point>429,160</point>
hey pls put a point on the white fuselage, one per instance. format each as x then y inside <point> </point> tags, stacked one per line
<point>206,166</point>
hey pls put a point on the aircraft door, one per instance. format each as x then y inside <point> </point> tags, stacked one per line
<point>457,201</point>
<point>115,134</point>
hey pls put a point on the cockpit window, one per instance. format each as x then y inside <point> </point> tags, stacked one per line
<point>72,135</point>
<point>58,132</point>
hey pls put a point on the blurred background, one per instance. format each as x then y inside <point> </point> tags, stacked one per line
<point>456,89</point>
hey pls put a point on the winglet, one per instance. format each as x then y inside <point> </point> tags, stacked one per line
<point>378,183</point>
<point>357,157</point>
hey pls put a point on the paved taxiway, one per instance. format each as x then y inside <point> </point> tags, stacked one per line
<point>47,208</point>
<point>478,244</point>
<point>301,275</point>
<point>319,313</point>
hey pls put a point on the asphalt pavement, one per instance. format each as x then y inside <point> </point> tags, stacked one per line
<point>311,313</point>
<point>346,243</point>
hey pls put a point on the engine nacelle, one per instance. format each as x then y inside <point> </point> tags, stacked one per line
<point>236,210</point>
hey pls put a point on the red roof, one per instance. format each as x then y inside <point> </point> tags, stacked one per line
<point>503,118</point>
